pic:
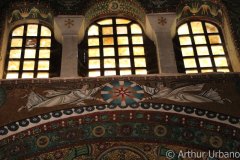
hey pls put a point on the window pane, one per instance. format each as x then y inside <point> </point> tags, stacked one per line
<point>18,31</point>
<point>191,71</point>
<point>122,30</point>
<point>12,75</point>
<point>109,63</point>
<point>16,42</point>
<point>45,31</point>
<point>183,29</point>
<point>109,73</point>
<point>138,51</point>
<point>43,65</point>
<point>32,30</point>
<point>108,51</point>
<point>93,52</point>
<point>30,53</point>
<point>13,65</point>
<point>187,51</point>
<point>137,40</point>
<point>202,51</point>
<point>105,22</point>
<point>206,70</point>
<point>190,63</point>
<point>141,71</point>
<point>94,73</point>
<point>28,65</point>
<point>93,41</point>
<point>44,53</point>
<point>43,75</point>
<point>107,30</point>
<point>122,21</point>
<point>223,70</point>
<point>140,62</point>
<point>93,30</point>
<point>31,42</point>
<point>185,40</point>
<point>205,62</point>
<point>220,61</point>
<point>211,28</point>
<point>122,40</point>
<point>94,63</point>
<point>136,29</point>
<point>27,75</point>
<point>123,51</point>
<point>15,53</point>
<point>45,43</point>
<point>125,72</point>
<point>215,39</point>
<point>197,27</point>
<point>217,50</point>
<point>200,40</point>
<point>124,62</point>
<point>108,41</point>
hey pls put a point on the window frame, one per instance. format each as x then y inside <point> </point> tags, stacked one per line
<point>180,57</point>
<point>23,48</point>
<point>117,58</point>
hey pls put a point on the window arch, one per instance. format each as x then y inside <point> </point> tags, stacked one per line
<point>116,46</point>
<point>202,48</point>
<point>29,52</point>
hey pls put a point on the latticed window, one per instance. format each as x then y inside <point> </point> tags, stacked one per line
<point>202,48</point>
<point>115,46</point>
<point>29,52</point>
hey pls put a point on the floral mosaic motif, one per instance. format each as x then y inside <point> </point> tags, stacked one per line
<point>122,93</point>
<point>191,8</point>
<point>30,13</point>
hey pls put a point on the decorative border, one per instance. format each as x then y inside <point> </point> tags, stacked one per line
<point>127,125</point>
<point>24,124</point>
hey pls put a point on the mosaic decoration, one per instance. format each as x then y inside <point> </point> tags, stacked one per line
<point>125,7</point>
<point>29,12</point>
<point>129,126</point>
<point>214,92</point>
<point>122,93</point>
<point>190,9</point>
<point>72,112</point>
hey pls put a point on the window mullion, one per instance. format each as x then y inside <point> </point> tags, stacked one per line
<point>209,47</point>
<point>194,48</point>
<point>115,36</point>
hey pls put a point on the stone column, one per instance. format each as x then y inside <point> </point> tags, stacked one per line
<point>161,28</point>
<point>69,31</point>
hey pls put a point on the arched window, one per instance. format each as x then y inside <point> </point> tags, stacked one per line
<point>116,46</point>
<point>29,52</point>
<point>202,48</point>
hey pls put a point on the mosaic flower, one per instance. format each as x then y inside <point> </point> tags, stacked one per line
<point>122,93</point>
